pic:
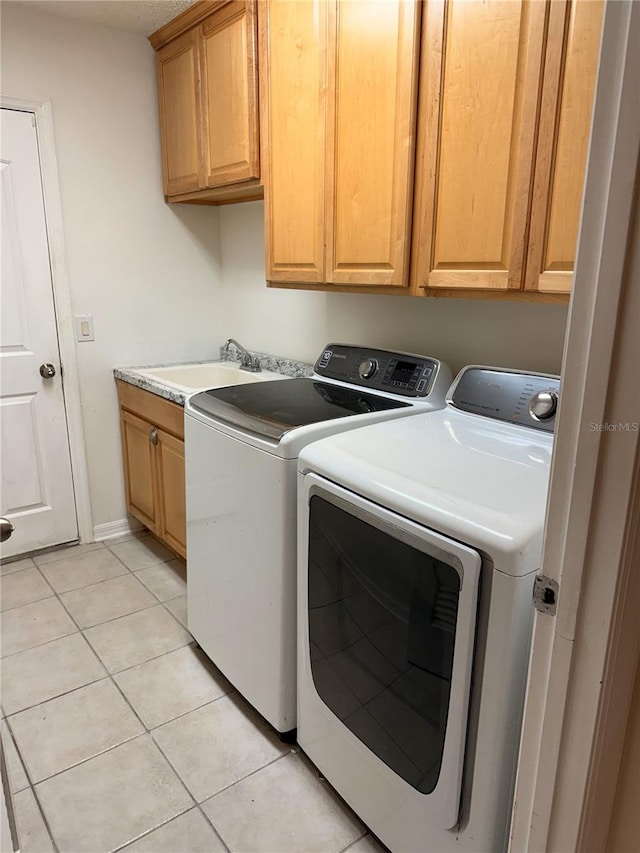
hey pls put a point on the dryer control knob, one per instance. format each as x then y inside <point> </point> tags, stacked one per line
<point>543,405</point>
<point>368,368</point>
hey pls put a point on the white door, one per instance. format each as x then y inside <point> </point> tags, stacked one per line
<point>36,487</point>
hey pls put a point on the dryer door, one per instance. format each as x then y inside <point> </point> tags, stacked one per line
<point>391,613</point>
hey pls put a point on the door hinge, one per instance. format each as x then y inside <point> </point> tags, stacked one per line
<point>545,595</point>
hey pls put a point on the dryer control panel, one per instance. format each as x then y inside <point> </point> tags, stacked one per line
<point>528,399</point>
<point>381,370</point>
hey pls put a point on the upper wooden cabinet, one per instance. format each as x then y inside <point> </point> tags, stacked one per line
<point>505,110</point>
<point>340,90</point>
<point>293,75</point>
<point>180,119</point>
<point>503,91</point>
<point>479,81</point>
<point>208,97</point>
<point>563,142</point>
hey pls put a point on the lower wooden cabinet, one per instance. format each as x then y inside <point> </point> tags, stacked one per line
<point>153,453</point>
<point>170,467</point>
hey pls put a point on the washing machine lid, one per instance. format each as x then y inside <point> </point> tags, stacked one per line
<point>271,409</point>
<point>479,481</point>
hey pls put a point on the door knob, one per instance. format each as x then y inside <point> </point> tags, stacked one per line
<point>6,529</point>
<point>47,371</point>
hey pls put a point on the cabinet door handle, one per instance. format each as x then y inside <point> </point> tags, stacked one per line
<point>153,436</point>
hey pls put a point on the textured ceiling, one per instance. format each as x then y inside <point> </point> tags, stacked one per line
<point>135,16</point>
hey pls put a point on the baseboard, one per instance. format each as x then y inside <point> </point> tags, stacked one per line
<point>115,528</point>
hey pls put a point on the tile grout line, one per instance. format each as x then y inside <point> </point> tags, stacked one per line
<point>153,829</point>
<point>108,675</point>
<point>20,758</point>
<point>127,668</point>
<point>33,783</point>
<point>57,595</point>
<point>146,730</point>
<point>91,758</point>
<point>179,716</point>
<point>42,645</point>
<point>226,788</point>
<point>35,600</point>
<point>47,826</point>
<point>355,841</point>
<point>87,585</point>
<point>164,604</point>
<point>27,603</point>
<point>66,553</point>
<point>155,594</point>
<point>31,787</point>
<point>184,713</point>
<point>216,831</point>
<point>77,627</point>
<point>59,695</point>
<point>244,778</point>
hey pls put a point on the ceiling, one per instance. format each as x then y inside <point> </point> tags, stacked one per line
<point>134,16</point>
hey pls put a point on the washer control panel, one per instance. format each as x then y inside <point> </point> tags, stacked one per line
<point>397,373</point>
<point>528,399</point>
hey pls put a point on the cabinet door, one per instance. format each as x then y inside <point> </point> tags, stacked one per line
<point>140,470</point>
<point>372,101</point>
<point>230,93</point>
<point>293,38</point>
<point>170,460</point>
<point>180,120</point>
<point>567,104</point>
<point>479,87</point>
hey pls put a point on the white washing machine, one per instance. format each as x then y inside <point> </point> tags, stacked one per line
<point>418,545</point>
<point>241,446</point>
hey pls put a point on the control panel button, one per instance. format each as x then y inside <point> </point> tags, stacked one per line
<point>325,358</point>
<point>543,405</point>
<point>368,368</point>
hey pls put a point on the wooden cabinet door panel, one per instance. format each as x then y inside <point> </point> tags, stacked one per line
<point>140,470</point>
<point>180,119</point>
<point>480,80</point>
<point>293,75</point>
<point>567,105</point>
<point>170,459</point>
<point>372,95</point>
<point>230,94</point>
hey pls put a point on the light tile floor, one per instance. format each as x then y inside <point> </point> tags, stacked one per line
<point>121,735</point>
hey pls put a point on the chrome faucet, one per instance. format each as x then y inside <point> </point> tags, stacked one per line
<point>247,360</point>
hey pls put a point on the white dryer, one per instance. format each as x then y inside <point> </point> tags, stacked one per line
<point>241,446</point>
<point>418,545</point>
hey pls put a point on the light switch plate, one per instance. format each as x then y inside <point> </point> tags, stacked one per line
<point>84,327</point>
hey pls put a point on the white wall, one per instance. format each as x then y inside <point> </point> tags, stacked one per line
<point>148,272</point>
<point>299,323</point>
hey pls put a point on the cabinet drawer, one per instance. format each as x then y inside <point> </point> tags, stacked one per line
<point>158,411</point>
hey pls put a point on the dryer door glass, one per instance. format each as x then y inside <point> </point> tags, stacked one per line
<point>382,625</point>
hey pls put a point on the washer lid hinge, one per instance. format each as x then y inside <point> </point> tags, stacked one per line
<point>545,595</point>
